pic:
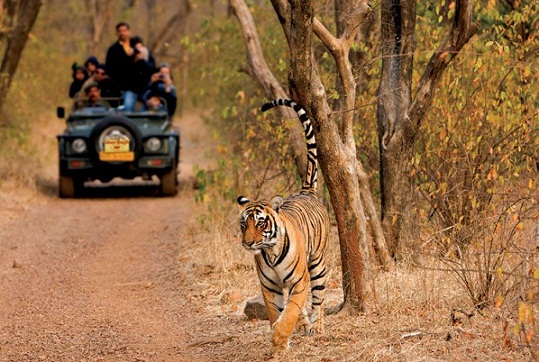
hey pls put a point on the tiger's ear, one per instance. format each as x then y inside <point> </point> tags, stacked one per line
<point>276,202</point>
<point>242,200</point>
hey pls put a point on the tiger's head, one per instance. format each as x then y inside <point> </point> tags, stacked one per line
<point>260,223</point>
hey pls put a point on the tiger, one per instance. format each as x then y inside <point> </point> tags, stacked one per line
<point>288,238</point>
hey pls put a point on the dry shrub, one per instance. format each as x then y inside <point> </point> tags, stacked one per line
<point>16,163</point>
<point>417,313</point>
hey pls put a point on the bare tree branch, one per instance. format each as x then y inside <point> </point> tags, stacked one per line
<point>258,68</point>
<point>461,32</point>
<point>100,12</point>
<point>340,50</point>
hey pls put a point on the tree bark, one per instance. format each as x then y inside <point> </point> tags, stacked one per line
<point>344,22</point>
<point>398,118</point>
<point>394,99</point>
<point>24,16</point>
<point>335,139</point>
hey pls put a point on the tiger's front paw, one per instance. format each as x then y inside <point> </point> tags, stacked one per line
<point>280,341</point>
<point>303,325</point>
<point>278,350</point>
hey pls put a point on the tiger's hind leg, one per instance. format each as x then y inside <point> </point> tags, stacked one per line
<point>317,271</point>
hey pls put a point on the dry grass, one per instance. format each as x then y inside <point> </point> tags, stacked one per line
<point>417,314</point>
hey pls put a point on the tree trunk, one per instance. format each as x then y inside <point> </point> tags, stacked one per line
<point>343,9</point>
<point>394,99</point>
<point>398,117</point>
<point>24,18</point>
<point>335,140</point>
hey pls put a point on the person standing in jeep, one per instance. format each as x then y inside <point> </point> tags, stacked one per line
<point>119,64</point>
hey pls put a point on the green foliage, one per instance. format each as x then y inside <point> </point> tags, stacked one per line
<point>475,161</point>
<point>481,134</point>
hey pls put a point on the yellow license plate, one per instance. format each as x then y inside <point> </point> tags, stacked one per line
<point>116,156</point>
<point>116,144</point>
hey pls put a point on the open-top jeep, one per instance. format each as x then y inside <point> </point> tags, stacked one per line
<point>101,143</point>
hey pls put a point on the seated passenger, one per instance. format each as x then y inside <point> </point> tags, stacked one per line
<point>91,65</point>
<point>79,77</point>
<point>153,103</point>
<point>109,88</point>
<point>161,84</point>
<point>93,98</point>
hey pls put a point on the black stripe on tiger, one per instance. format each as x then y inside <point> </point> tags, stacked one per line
<point>311,175</point>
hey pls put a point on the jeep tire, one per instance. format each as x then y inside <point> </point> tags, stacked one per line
<point>69,186</point>
<point>169,183</point>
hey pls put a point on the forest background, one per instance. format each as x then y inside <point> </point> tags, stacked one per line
<point>474,166</point>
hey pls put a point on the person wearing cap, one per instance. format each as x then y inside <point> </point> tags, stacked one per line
<point>91,65</point>
<point>154,103</point>
<point>93,97</point>
<point>80,75</point>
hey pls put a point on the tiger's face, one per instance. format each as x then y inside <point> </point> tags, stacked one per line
<point>259,224</point>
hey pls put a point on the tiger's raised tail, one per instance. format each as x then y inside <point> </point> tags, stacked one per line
<point>310,181</point>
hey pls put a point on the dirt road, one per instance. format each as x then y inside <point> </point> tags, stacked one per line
<point>98,278</point>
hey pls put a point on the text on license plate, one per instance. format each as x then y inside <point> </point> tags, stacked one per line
<point>116,156</point>
<point>116,144</point>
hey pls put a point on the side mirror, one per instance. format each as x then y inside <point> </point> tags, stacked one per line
<point>60,112</point>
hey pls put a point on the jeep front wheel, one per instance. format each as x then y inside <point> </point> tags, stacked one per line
<point>169,183</point>
<point>68,186</point>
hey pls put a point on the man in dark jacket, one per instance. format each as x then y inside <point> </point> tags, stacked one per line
<point>143,67</point>
<point>119,64</point>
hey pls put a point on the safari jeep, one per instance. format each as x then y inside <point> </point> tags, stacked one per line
<point>101,143</point>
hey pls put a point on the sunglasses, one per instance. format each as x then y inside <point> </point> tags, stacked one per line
<point>100,72</point>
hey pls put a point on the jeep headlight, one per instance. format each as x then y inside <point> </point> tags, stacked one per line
<point>78,145</point>
<point>153,144</point>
